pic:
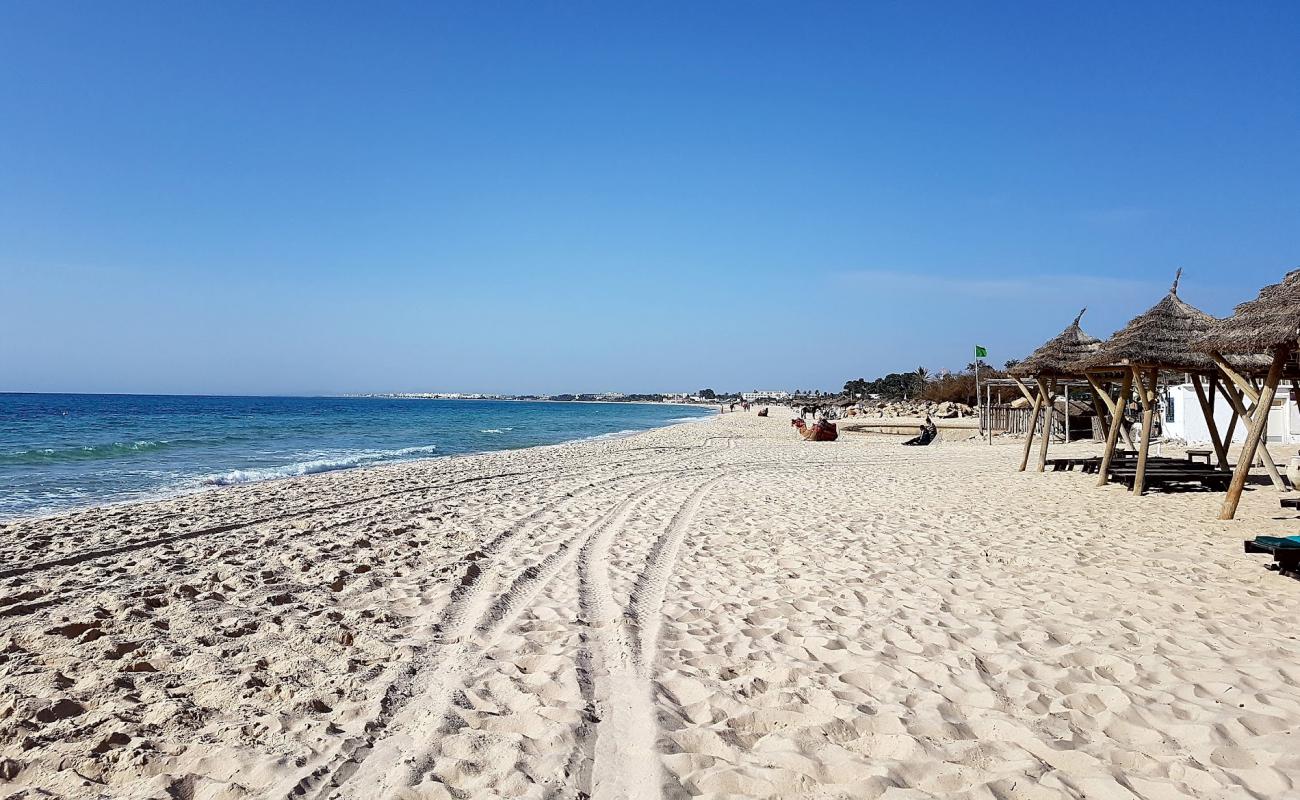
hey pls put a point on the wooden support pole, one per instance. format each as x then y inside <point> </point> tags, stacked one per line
<point>1247,416</point>
<point>1230,393</point>
<point>1024,390</point>
<point>1207,408</point>
<point>1097,403</point>
<point>1116,424</point>
<point>1104,393</point>
<point>1258,428</point>
<point>1147,398</point>
<point>1247,385</point>
<point>1029,432</point>
<point>1049,401</point>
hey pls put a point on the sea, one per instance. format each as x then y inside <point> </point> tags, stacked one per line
<point>67,451</point>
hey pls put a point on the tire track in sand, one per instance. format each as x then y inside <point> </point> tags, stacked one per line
<point>464,614</point>
<point>401,757</point>
<point>625,762</point>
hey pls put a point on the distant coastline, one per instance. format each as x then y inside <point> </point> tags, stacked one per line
<point>659,398</point>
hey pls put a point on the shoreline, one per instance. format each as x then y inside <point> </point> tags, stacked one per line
<point>741,611</point>
<point>175,493</point>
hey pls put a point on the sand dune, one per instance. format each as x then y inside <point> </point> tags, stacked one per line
<point>716,609</point>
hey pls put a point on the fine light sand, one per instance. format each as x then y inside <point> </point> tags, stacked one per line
<point>714,609</point>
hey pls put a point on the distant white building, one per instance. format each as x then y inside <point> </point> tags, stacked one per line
<point>774,394</point>
<point>1183,418</point>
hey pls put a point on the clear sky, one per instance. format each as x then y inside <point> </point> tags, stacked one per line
<point>251,197</point>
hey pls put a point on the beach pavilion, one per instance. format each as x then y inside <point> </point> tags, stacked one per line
<point>1268,324</point>
<point>1049,367</point>
<point>1164,338</point>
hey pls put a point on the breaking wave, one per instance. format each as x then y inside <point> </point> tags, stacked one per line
<point>298,468</point>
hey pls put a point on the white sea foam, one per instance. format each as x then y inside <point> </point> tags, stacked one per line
<point>613,435</point>
<point>314,466</point>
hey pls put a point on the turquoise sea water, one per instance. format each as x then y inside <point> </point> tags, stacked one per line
<point>67,451</point>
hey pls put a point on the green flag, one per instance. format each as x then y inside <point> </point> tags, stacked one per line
<point>981,352</point>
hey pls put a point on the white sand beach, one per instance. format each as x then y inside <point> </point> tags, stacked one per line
<point>714,609</point>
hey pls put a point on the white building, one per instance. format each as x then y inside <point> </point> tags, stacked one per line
<point>773,394</point>
<point>1183,419</point>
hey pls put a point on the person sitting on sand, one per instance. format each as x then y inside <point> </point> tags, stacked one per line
<point>928,434</point>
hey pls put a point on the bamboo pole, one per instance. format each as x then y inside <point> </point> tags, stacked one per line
<point>1049,401</point>
<point>1029,432</point>
<point>1258,427</point>
<point>1147,398</point>
<point>1207,408</point>
<point>1116,425</point>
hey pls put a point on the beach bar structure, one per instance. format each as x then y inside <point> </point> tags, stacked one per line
<point>1048,367</point>
<point>1165,338</point>
<point>1269,324</point>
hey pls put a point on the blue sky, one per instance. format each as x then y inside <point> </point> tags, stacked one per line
<point>243,197</point>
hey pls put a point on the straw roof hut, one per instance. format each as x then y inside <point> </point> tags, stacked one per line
<point>1057,358</point>
<point>1054,360</point>
<point>1164,336</point>
<point>1270,321</point>
<point>1268,324</point>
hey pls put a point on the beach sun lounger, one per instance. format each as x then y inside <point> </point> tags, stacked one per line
<point>1284,549</point>
<point>1162,472</point>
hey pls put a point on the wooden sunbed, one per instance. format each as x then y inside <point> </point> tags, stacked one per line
<point>1160,471</point>
<point>1285,550</point>
<point>1210,479</point>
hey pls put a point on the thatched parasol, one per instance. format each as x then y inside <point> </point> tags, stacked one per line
<point>1056,358</point>
<point>1268,324</point>
<point>1270,321</point>
<point>1165,336</point>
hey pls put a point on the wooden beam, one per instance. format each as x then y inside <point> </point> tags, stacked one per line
<point>1229,392</point>
<point>1112,405</point>
<point>1025,390</point>
<point>1116,424</point>
<point>1097,394</point>
<point>1248,416</point>
<point>1029,432</point>
<point>1207,408</point>
<point>1049,401</point>
<point>1246,385</point>
<point>1101,393</point>
<point>1147,398</point>
<point>1258,428</point>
